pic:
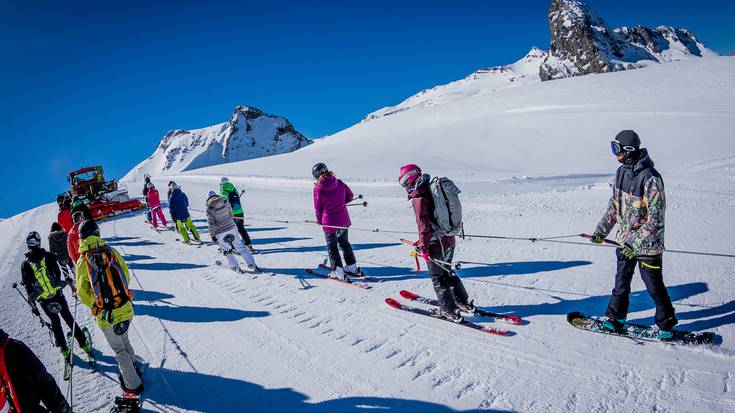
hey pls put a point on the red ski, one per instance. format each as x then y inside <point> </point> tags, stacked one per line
<point>324,276</point>
<point>509,319</point>
<point>395,304</point>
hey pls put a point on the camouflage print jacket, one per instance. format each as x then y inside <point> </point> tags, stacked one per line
<point>638,206</point>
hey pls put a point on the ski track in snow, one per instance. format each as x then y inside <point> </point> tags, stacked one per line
<point>219,341</point>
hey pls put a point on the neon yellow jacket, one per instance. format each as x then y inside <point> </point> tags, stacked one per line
<point>84,289</point>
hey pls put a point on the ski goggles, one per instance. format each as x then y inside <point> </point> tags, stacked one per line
<point>616,148</point>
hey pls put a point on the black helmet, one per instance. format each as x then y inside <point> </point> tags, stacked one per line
<point>319,170</point>
<point>77,216</point>
<point>628,144</point>
<point>88,228</point>
<point>33,239</point>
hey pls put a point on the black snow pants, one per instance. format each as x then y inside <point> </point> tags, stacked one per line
<point>651,271</point>
<point>59,301</point>
<point>448,286</point>
<point>333,240</point>
<point>240,222</point>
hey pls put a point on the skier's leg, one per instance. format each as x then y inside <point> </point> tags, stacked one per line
<point>154,215</point>
<point>125,360</point>
<point>162,216</point>
<point>192,228</point>
<point>58,333</point>
<point>344,244</point>
<point>244,252</point>
<point>460,293</point>
<point>334,259</point>
<point>227,249</point>
<point>440,279</point>
<point>70,322</point>
<point>182,230</point>
<point>240,222</point>
<point>652,273</point>
<point>617,308</point>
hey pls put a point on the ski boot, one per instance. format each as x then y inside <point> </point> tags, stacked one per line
<point>455,317</point>
<point>665,335</point>
<point>612,325</point>
<point>338,274</point>
<point>353,271</point>
<point>127,403</point>
<point>251,249</point>
<point>468,308</point>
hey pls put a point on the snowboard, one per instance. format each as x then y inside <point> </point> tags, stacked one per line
<point>637,331</point>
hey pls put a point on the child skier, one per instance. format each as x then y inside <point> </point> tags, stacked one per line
<point>102,285</point>
<point>24,381</point>
<point>330,197</point>
<point>223,231</point>
<point>41,278</point>
<point>450,291</point>
<point>57,242</point>
<point>228,191</point>
<point>638,207</point>
<point>178,206</point>
<point>154,203</point>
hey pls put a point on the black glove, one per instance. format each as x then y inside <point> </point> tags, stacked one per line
<point>35,312</point>
<point>214,238</point>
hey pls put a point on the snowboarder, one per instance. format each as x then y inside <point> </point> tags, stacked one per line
<point>102,285</point>
<point>79,205</point>
<point>154,203</point>
<point>24,381</point>
<point>228,191</point>
<point>450,291</point>
<point>72,239</point>
<point>41,277</point>
<point>223,231</point>
<point>178,206</point>
<point>64,217</point>
<point>57,242</point>
<point>637,206</point>
<point>330,197</point>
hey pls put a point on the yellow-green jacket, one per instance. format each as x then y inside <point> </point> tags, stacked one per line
<point>84,289</point>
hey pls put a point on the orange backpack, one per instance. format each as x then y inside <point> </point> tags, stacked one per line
<point>107,281</point>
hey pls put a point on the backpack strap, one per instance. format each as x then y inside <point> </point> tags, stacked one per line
<point>41,273</point>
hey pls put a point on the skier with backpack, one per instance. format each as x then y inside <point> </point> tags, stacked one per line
<point>178,206</point>
<point>72,238</point>
<point>638,207</point>
<point>57,242</point>
<point>41,277</point>
<point>439,220</point>
<point>330,198</point>
<point>223,231</point>
<point>24,381</point>
<point>228,191</point>
<point>154,203</point>
<point>102,285</point>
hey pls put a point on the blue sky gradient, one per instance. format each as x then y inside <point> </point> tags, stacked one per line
<point>85,83</point>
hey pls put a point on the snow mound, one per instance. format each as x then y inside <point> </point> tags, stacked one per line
<point>250,133</point>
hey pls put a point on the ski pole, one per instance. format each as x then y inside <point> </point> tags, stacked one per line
<point>364,203</point>
<point>43,322</point>
<point>709,254</point>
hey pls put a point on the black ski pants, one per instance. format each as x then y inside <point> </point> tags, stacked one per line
<point>59,301</point>
<point>240,222</point>
<point>340,239</point>
<point>651,271</point>
<point>448,286</point>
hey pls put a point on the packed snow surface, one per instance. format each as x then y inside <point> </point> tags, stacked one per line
<point>532,161</point>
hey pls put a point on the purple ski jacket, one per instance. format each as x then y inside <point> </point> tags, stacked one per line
<point>330,197</point>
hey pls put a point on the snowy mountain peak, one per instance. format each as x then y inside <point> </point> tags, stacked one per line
<point>582,43</point>
<point>250,133</point>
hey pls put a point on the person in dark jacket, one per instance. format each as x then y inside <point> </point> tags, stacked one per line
<point>79,205</point>
<point>57,242</point>
<point>229,192</point>
<point>25,385</point>
<point>450,291</point>
<point>147,184</point>
<point>638,207</point>
<point>330,198</point>
<point>41,277</point>
<point>178,206</point>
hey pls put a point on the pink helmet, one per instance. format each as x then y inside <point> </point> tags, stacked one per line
<point>408,175</point>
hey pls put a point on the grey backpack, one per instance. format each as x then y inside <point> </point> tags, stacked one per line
<point>447,207</point>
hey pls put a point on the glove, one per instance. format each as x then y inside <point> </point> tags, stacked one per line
<point>35,312</point>
<point>628,252</point>
<point>597,239</point>
<point>425,255</point>
<point>214,238</point>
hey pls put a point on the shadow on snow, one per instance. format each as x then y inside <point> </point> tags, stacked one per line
<point>164,266</point>
<point>187,314</point>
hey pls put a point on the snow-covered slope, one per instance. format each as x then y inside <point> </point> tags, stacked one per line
<point>582,43</point>
<point>250,133</point>
<point>483,81</point>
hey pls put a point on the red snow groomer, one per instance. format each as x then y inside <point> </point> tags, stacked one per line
<point>104,198</point>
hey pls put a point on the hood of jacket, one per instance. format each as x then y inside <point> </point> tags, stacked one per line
<point>227,187</point>
<point>217,202</point>
<point>644,161</point>
<point>58,236</point>
<point>90,243</point>
<point>327,183</point>
<point>422,186</point>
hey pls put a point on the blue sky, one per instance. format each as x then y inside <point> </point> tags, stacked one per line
<point>85,83</point>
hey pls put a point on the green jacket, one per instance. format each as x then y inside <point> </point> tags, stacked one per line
<point>84,288</point>
<point>228,192</point>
